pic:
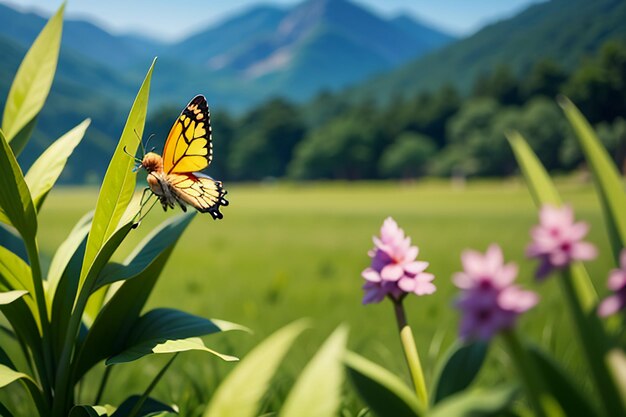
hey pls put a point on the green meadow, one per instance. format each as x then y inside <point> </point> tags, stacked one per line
<point>287,251</point>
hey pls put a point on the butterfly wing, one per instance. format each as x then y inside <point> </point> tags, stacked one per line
<point>199,191</point>
<point>188,147</point>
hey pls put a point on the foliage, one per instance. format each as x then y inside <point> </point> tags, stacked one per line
<point>62,325</point>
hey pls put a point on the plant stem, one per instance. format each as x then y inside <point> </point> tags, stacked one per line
<point>527,370</point>
<point>103,382</point>
<point>594,344</point>
<point>410,353</point>
<point>46,374</point>
<point>137,407</point>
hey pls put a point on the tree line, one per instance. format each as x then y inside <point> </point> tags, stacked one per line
<point>440,133</point>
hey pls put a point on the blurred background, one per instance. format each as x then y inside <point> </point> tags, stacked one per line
<point>335,89</point>
<point>328,116</point>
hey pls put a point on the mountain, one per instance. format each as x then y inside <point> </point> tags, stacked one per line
<point>562,30</point>
<point>318,44</point>
<point>80,36</point>
<point>230,34</point>
<point>421,32</point>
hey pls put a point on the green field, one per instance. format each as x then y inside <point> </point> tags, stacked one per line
<point>283,252</point>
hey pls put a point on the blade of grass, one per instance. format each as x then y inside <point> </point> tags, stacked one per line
<point>32,83</point>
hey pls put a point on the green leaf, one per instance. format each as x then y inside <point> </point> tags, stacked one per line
<point>14,272</point>
<point>88,411</point>
<point>560,386</point>
<point>150,407</point>
<point>64,255</point>
<point>616,360</point>
<point>102,257</point>
<point>107,336</point>
<point>159,240</point>
<point>15,198</point>
<point>161,325</point>
<point>543,191</point>
<point>185,345</point>
<point>609,184</point>
<point>317,391</point>
<point>10,296</point>
<point>63,276</point>
<point>32,82</point>
<point>8,376</point>
<point>48,167</point>
<point>476,403</point>
<point>240,393</point>
<point>381,390</point>
<point>119,181</point>
<point>539,184</point>
<point>462,364</point>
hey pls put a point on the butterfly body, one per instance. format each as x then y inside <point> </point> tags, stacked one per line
<point>174,178</point>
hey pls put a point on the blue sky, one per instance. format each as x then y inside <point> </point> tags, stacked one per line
<point>171,20</point>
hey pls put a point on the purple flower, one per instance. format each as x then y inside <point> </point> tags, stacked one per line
<point>394,271</point>
<point>557,240</point>
<point>489,301</point>
<point>617,283</point>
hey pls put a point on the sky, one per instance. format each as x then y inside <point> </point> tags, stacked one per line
<point>170,20</point>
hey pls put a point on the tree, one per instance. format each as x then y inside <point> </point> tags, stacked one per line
<point>545,79</point>
<point>342,149</point>
<point>265,141</point>
<point>408,157</point>
<point>599,86</point>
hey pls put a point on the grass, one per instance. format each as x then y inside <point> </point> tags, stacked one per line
<point>288,251</point>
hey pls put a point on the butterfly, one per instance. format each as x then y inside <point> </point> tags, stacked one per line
<point>174,177</point>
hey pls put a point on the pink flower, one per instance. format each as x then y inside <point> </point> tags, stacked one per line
<point>557,240</point>
<point>394,270</point>
<point>489,301</point>
<point>617,283</point>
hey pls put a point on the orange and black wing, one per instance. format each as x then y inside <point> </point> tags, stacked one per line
<point>188,147</point>
<point>200,191</point>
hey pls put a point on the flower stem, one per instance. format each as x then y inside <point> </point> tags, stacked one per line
<point>540,400</point>
<point>410,353</point>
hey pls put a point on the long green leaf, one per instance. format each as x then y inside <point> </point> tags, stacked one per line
<point>64,255</point>
<point>609,184</point>
<point>150,407</point>
<point>162,325</point>
<point>543,191</point>
<point>14,272</point>
<point>15,198</point>
<point>48,167</point>
<point>88,411</point>
<point>159,240</point>
<point>317,391</point>
<point>572,401</point>
<point>191,343</point>
<point>8,376</point>
<point>476,403</point>
<point>9,296</point>
<point>381,390</point>
<point>462,364</point>
<point>240,393</point>
<point>32,82</point>
<point>63,276</point>
<point>119,181</point>
<point>108,334</point>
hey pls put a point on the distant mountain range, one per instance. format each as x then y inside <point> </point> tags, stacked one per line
<point>293,52</point>
<point>565,31</point>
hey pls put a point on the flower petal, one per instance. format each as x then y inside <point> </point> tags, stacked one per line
<point>371,275</point>
<point>392,272</point>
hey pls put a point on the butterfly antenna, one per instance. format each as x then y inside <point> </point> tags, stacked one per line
<point>143,148</point>
<point>148,142</point>
<point>134,157</point>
